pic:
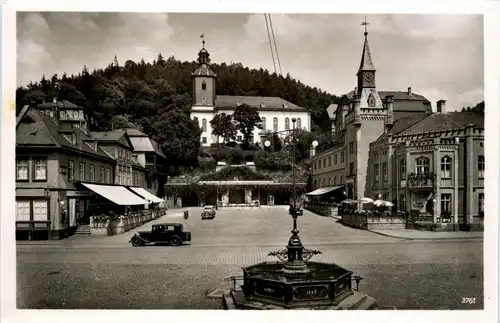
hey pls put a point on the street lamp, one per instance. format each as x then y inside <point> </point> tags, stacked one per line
<point>267,143</point>
<point>315,143</point>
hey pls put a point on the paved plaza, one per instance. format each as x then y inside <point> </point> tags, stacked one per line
<point>107,272</point>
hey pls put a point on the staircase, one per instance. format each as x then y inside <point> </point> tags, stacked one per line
<point>83,229</point>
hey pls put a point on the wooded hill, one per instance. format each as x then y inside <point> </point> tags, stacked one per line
<point>156,98</point>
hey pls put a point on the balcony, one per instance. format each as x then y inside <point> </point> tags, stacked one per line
<point>421,181</point>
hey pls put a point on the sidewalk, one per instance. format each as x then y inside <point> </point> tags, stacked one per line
<point>173,215</point>
<point>428,235</point>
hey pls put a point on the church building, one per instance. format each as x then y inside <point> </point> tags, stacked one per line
<point>276,113</point>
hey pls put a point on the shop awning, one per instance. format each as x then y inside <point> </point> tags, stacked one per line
<point>324,190</point>
<point>146,195</point>
<point>116,194</point>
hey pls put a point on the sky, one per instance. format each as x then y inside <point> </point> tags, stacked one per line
<point>438,56</point>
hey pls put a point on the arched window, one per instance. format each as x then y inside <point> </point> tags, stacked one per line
<point>422,165</point>
<point>204,125</point>
<point>315,184</point>
<point>329,181</point>
<point>402,169</point>
<point>299,123</point>
<point>203,85</point>
<point>446,167</point>
<point>263,123</point>
<point>287,124</point>
<point>275,124</point>
<point>371,101</point>
<point>335,180</point>
<point>324,181</point>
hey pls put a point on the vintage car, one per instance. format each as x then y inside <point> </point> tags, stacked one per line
<point>208,212</point>
<point>172,233</point>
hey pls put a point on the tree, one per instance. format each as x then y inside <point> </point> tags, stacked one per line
<point>303,141</point>
<point>123,122</point>
<point>247,119</point>
<point>179,137</point>
<point>223,126</point>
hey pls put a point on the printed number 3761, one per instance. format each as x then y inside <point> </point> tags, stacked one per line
<point>468,300</point>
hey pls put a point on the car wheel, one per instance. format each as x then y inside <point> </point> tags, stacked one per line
<point>175,241</point>
<point>136,242</point>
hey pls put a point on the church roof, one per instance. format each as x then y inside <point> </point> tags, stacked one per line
<point>259,102</point>
<point>204,71</point>
<point>366,58</point>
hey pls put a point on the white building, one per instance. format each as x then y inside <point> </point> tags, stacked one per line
<point>275,112</point>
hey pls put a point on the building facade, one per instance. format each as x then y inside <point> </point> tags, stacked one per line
<point>433,167</point>
<point>275,112</point>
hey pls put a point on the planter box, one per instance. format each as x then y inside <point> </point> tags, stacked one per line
<point>366,222</point>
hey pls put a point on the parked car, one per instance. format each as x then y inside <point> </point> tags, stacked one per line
<point>208,212</point>
<point>172,233</point>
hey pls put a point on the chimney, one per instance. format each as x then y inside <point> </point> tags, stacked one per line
<point>441,106</point>
<point>409,90</point>
<point>357,110</point>
<point>390,110</point>
<point>55,111</point>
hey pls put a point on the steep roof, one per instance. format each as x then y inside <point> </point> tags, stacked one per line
<point>259,102</point>
<point>61,104</point>
<point>366,58</point>
<point>332,108</point>
<point>398,95</point>
<point>108,136</point>
<point>41,130</point>
<point>132,132</point>
<point>402,124</point>
<point>446,121</point>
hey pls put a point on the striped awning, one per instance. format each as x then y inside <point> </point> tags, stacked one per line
<point>324,190</point>
<point>117,194</point>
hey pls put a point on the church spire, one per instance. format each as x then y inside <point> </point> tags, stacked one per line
<point>366,59</point>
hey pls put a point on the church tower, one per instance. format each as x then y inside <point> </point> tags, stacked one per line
<point>369,98</point>
<point>204,79</point>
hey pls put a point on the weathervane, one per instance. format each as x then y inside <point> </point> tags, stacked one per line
<point>203,41</point>
<point>365,23</point>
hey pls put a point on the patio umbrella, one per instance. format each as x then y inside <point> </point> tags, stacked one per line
<point>383,203</point>
<point>366,200</point>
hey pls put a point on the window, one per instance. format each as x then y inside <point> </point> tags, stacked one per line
<point>315,164</point>
<point>376,173</point>
<point>329,181</point>
<point>101,174</point>
<point>480,166</point>
<point>402,202</point>
<point>23,211</point>
<point>40,210</point>
<point>446,202</point>
<point>204,140</point>
<point>204,125</point>
<point>335,159</point>
<point>299,123</point>
<point>203,85</point>
<point>315,184</point>
<point>422,165</point>
<point>82,172</point>
<point>351,168</point>
<point>40,166</point>
<point>71,170</point>
<point>250,139</point>
<point>324,181</point>
<point>92,173</point>
<point>329,161</point>
<point>108,175</point>
<point>351,147</point>
<point>263,123</point>
<point>371,101</point>
<point>480,202</point>
<point>341,179</point>
<point>402,169</point>
<point>134,157</point>
<point>446,167</point>
<point>342,156</point>
<point>275,124</point>
<point>335,180</point>
<point>239,138</point>
<point>287,124</point>
<point>22,166</point>
<point>384,172</point>
<point>324,162</point>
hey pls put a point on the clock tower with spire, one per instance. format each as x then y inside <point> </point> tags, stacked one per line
<point>367,92</point>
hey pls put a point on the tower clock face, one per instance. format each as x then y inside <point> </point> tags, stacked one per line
<point>369,77</point>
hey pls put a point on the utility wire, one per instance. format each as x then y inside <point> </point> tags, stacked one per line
<point>274,40</point>
<point>270,44</point>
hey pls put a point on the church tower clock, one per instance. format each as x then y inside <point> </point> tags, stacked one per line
<point>204,81</point>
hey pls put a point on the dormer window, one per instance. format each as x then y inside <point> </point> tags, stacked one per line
<point>371,100</point>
